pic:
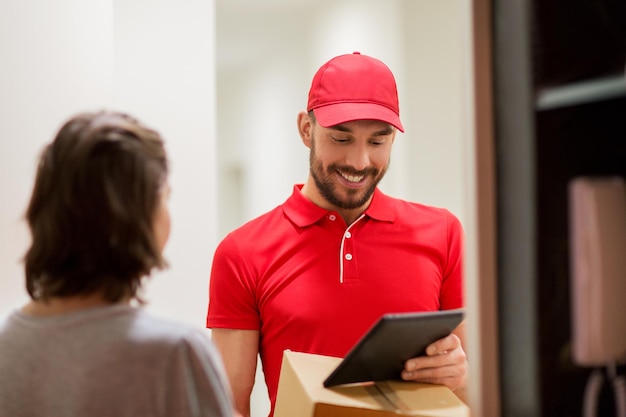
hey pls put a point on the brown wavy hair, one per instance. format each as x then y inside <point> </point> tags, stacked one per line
<point>91,212</point>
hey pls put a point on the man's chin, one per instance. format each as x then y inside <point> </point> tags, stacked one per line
<point>354,201</point>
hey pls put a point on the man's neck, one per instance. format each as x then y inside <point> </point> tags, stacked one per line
<point>310,191</point>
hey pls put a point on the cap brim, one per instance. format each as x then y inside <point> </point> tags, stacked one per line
<point>336,114</point>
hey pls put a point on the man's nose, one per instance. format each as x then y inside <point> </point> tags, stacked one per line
<point>358,158</point>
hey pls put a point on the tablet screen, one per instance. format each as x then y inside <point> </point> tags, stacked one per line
<point>381,353</point>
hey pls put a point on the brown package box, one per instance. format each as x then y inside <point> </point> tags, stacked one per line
<point>301,394</point>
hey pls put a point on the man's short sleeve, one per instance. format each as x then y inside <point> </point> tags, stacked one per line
<point>452,290</point>
<point>232,289</point>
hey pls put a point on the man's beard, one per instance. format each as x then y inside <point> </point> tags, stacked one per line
<point>328,188</point>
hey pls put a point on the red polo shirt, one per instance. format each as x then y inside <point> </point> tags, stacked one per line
<point>311,283</point>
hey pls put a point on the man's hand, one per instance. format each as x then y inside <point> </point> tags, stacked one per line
<point>445,363</point>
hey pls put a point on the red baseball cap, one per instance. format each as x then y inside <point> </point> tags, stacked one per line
<point>354,87</point>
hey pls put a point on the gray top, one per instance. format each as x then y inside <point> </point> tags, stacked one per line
<point>108,361</point>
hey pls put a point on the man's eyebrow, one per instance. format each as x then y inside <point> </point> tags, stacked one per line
<point>388,130</point>
<point>384,132</point>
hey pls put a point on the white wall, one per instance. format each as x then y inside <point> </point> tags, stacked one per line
<point>57,59</point>
<point>151,58</point>
<point>165,74</point>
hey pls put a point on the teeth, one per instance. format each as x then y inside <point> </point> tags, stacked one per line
<point>353,178</point>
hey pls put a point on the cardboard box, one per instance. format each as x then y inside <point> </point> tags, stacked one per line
<point>301,394</point>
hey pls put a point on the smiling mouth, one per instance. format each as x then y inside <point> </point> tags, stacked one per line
<point>352,178</point>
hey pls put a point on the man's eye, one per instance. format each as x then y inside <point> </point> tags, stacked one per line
<point>378,142</point>
<point>340,140</point>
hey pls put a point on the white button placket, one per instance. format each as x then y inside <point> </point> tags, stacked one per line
<point>346,257</point>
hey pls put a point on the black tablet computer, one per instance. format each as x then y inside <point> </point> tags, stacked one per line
<point>380,354</point>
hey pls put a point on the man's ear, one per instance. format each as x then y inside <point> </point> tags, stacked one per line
<point>305,128</point>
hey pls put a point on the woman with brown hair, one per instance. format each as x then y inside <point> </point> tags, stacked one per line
<point>83,346</point>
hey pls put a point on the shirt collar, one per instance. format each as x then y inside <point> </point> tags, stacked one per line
<point>303,212</point>
<point>382,208</point>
